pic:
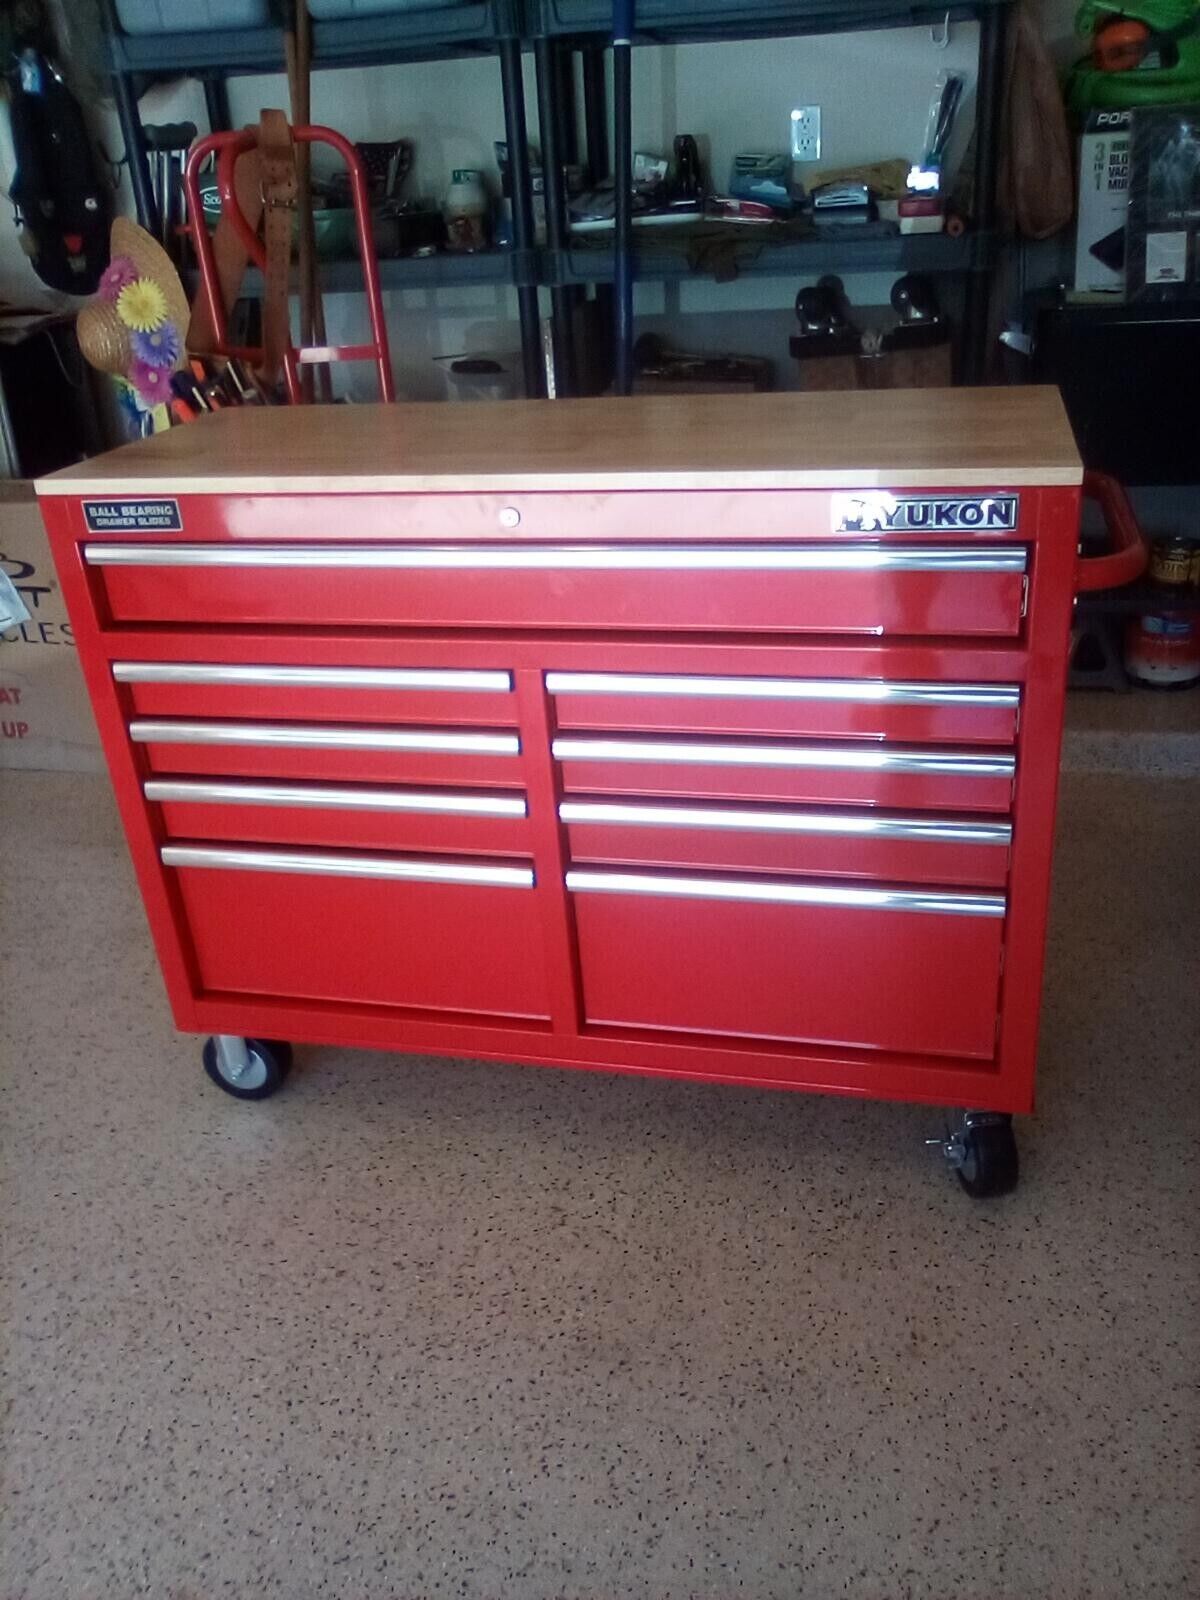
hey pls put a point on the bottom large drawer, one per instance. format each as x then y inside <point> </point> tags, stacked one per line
<point>872,968</point>
<point>428,933</point>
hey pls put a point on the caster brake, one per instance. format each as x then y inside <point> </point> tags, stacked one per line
<point>983,1152</point>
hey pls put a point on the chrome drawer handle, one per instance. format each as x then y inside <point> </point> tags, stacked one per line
<point>871,758</point>
<point>746,820</point>
<point>855,690</point>
<point>308,677</point>
<point>310,737</point>
<point>339,866</point>
<point>314,796</point>
<point>586,558</point>
<point>802,894</point>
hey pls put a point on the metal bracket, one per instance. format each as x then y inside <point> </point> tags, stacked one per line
<point>953,1143</point>
<point>233,1055</point>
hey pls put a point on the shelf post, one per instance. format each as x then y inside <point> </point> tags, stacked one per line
<point>992,20</point>
<point>513,86</point>
<point>622,197</point>
<point>545,56</point>
<point>125,95</point>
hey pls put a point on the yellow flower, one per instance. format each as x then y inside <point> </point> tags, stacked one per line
<point>142,306</point>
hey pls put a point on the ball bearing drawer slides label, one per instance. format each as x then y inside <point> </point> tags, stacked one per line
<point>133,516</point>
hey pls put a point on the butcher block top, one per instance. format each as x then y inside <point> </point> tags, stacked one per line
<point>951,438</point>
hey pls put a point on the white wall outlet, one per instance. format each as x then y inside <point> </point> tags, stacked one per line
<point>806,133</point>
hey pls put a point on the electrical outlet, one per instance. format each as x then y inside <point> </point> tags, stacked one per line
<point>806,133</point>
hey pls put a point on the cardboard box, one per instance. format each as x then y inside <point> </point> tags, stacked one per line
<point>1103,200</point>
<point>45,717</point>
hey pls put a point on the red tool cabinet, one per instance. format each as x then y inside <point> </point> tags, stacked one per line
<point>715,738</point>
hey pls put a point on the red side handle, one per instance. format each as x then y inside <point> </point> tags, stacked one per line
<point>1128,551</point>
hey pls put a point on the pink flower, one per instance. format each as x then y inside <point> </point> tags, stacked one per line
<point>153,384</point>
<point>119,271</point>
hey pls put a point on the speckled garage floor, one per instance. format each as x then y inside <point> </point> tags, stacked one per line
<point>418,1329</point>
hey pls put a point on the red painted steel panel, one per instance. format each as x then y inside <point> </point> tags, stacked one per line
<point>547,516</point>
<point>915,603</point>
<point>433,946</point>
<point>815,854</point>
<point>822,719</point>
<point>434,832</point>
<point>340,765</point>
<point>314,704</point>
<point>891,980</point>
<point>808,785</point>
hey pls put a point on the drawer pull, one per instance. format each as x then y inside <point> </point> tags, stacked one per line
<point>312,795</point>
<point>613,558</point>
<point>345,866</point>
<point>756,821</point>
<point>308,737</point>
<point>871,758</point>
<point>308,677</point>
<point>856,690</point>
<point>805,894</point>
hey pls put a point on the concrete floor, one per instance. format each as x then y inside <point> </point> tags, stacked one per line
<point>417,1329</point>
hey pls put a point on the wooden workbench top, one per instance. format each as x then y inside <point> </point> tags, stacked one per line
<point>950,438</point>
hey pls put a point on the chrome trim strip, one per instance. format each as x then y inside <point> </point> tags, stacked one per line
<point>864,758</point>
<point>339,866</point>
<point>871,691</point>
<point>843,557</point>
<point>747,820</point>
<point>308,677</point>
<point>808,894</point>
<point>311,736</point>
<point>319,797</point>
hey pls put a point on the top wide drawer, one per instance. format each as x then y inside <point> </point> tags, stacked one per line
<point>873,587</point>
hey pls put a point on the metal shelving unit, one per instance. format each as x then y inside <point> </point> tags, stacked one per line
<point>562,26</point>
<point>556,30</point>
<point>471,28</point>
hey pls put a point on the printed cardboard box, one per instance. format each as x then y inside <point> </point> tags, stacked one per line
<point>45,719</point>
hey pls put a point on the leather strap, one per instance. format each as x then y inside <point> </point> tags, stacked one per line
<point>277,157</point>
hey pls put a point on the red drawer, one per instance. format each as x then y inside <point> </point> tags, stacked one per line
<point>364,817</point>
<point>367,930</point>
<point>818,707</point>
<point>878,775</point>
<point>324,751</point>
<point>320,694</point>
<point>848,844</point>
<point>851,587</point>
<point>870,969</point>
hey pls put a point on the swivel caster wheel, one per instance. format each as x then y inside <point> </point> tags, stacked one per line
<point>983,1151</point>
<point>248,1069</point>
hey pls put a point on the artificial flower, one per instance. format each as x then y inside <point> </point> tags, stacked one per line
<point>141,305</point>
<point>158,348</point>
<point>153,384</point>
<point>119,271</point>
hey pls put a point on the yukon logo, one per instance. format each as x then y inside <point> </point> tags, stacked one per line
<point>133,516</point>
<point>877,511</point>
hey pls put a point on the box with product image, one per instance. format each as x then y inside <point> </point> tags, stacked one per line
<point>45,718</point>
<point>1163,243</point>
<point>1103,201</point>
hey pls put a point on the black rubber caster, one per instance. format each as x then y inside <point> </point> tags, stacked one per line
<point>988,1163</point>
<point>248,1069</point>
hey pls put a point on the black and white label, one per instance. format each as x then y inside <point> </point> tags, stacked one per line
<point>133,516</point>
<point>878,511</point>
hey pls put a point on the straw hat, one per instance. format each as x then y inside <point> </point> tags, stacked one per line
<point>136,325</point>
